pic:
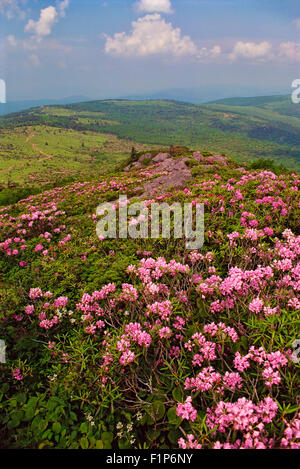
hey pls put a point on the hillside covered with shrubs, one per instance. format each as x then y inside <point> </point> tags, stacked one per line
<point>142,343</point>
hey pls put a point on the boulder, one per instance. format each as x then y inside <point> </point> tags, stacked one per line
<point>161,157</point>
<point>218,159</point>
<point>177,176</point>
<point>197,156</point>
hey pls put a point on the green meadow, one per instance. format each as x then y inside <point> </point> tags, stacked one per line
<point>85,138</point>
<point>40,155</point>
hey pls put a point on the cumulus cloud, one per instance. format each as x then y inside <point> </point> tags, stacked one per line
<point>209,53</point>
<point>290,50</point>
<point>151,6</point>
<point>251,50</point>
<point>152,35</point>
<point>44,25</point>
<point>49,16</point>
<point>11,8</point>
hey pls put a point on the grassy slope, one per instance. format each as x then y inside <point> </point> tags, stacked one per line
<point>54,391</point>
<point>280,104</point>
<point>42,154</point>
<point>242,128</point>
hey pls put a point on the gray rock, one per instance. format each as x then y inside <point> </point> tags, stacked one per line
<point>219,159</point>
<point>197,155</point>
<point>177,176</point>
<point>161,157</point>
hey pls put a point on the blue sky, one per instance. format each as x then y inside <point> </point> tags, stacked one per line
<point>98,48</point>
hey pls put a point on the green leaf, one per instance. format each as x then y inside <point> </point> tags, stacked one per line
<point>150,420</point>
<point>173,417</point>
<point>84,442</point>
<point>123,444</point>
<point>13,423</point>
<point>84,428</point>
<point>29,414</point>
<point>56,427</point>
<point>47,434</point>
<point>107,436</point>
<point>21,398</point>
<point>99,444</point>
<point>177,395</point>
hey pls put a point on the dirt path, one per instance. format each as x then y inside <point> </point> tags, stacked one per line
<point>37,149</point>
<point>29,137</point>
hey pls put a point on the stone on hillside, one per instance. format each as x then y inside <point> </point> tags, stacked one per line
<point>161,157</point>
<point>145,157</point>
<point>219,159</point>
<point>178,175</point>
<point>198,156</point>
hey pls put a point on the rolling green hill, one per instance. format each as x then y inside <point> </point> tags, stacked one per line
<point>86,139</point>
<point>282,105</point>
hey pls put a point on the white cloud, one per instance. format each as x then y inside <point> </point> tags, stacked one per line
<point>62,7</point>
<point>49,16</point>
<point>290,50</point>
<point>150,35</point>
<point>151,6</point>
<point>11,8</point>
<point>251,50</point>
<point>44,25</point>
<point>210,53</point>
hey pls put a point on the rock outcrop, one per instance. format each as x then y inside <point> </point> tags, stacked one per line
<point>173,172</point>
<point>177,175</point>
<point>161,157</point>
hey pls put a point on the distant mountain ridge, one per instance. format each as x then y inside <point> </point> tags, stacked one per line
<point>17,106</point>
<point>250,100</point>
<point>205,94</point>
<point>193,95</point>
<point>268,129</point>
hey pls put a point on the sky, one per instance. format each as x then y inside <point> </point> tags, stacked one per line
<point>106,49</point>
